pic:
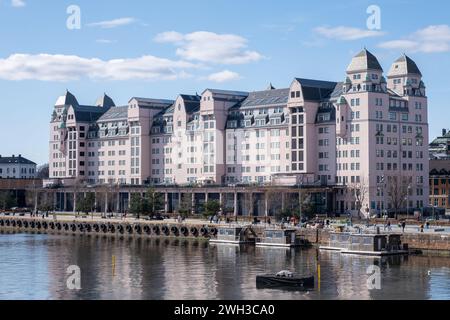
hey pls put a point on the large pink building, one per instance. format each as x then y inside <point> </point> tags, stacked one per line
<point>366,136</point>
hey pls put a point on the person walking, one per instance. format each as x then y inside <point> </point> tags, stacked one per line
<point>403,226</point>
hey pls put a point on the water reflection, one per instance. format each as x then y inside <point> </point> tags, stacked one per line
<point>34,267</point>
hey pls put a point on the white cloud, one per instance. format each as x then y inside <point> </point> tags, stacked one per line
<point>112,23</point>
<point>224,76</point>
<point>435,38</point>
<point>347,33</point>
<point>169,36</point>
<point>210,47</point>
<point>105,41</point>
<point>18,3</point>
<point>48,67</point>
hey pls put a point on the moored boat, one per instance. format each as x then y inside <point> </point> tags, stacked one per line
<point>284,279</point>
<point>285,238</point>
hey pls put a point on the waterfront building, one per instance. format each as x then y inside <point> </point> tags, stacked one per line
<point>366,137</point>
<point>440,183</point>
<point>439,148</point>
<point>17,167</point>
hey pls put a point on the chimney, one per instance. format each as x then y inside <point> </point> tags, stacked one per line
<point>20,156</point>
<point>444,132</point>
<point>13,156</point>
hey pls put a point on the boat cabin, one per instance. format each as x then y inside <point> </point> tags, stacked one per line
<point>281,238</point>
<point>372,244</point>
<point>233,235</point>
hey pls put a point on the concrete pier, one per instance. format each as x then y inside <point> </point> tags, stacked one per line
<point>109,227</point>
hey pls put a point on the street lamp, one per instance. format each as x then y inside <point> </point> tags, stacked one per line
<point>407,200</point>
<point>382,189</point>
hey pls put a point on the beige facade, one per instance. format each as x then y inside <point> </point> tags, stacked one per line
<point>363,136</point>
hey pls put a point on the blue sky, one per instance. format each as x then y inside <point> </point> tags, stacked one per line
<point>161,48</point>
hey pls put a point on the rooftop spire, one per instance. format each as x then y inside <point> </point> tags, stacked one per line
<point>364,60</point>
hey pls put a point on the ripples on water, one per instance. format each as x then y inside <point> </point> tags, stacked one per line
<point>33,266</point>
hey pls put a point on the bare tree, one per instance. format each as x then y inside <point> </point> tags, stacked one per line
<point>359,192</point>
<point>397,191</point>
<point>43,171</point>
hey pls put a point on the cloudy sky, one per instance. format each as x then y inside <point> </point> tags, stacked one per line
<point>161,48</point>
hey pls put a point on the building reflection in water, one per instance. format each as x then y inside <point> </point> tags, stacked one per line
<point>34,267</point>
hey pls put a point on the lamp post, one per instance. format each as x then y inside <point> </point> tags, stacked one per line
<point>382,183</point>
<point>407,200</point>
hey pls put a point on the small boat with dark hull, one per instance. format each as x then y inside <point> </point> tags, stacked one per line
<point>284,279</point>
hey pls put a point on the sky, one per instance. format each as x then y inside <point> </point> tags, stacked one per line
<point>159,49</point>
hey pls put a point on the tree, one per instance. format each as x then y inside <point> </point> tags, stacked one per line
<point>136,206</point>
<point>7,200</point>
<point>359,192</point>
<point>185,206</point>
<point>212,207</point>
<point>274,200</point>
<point>86,204</point>
<point>153,202</point>
<point>43,172</point>
<point>397,191</point>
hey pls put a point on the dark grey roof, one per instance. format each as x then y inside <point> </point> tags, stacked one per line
<point>331,111</point>
<point>364,61</point>
<point>267,98</point>
<point>441,140</point>
<point>191,103</point>
<point>17,160</point>
<point>411,66</point>
<point>148,102</point>
<point>115,113</point>
<point>68,99</point>
<point>167,111</point>
<point>88,113</point>
<point>228,92</point>
<point>105,101</point>
<point>316,90</point>
<point>338,91</point>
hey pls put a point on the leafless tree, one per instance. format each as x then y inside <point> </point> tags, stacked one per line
<point>359,192</point>
<point>397,191</point>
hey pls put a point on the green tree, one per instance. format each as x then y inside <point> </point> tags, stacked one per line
<point>86,204</point>
<point>7,200</point>
<point>153,202</point>
<point>136,206</point>
<point>212,207</point>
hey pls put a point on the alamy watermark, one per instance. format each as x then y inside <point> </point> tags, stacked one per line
<point>73,22</point>
<point>374,280</point>
<point>74,280</point>
<point>374,19</point>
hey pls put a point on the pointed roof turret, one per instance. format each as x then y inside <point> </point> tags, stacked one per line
<point>270,87</point>
<point>404,66</point>
<point>364,61</point>
<point>105,101</point>
<point>68,99</point>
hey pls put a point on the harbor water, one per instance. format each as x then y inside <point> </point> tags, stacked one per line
<point>38,266</point>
